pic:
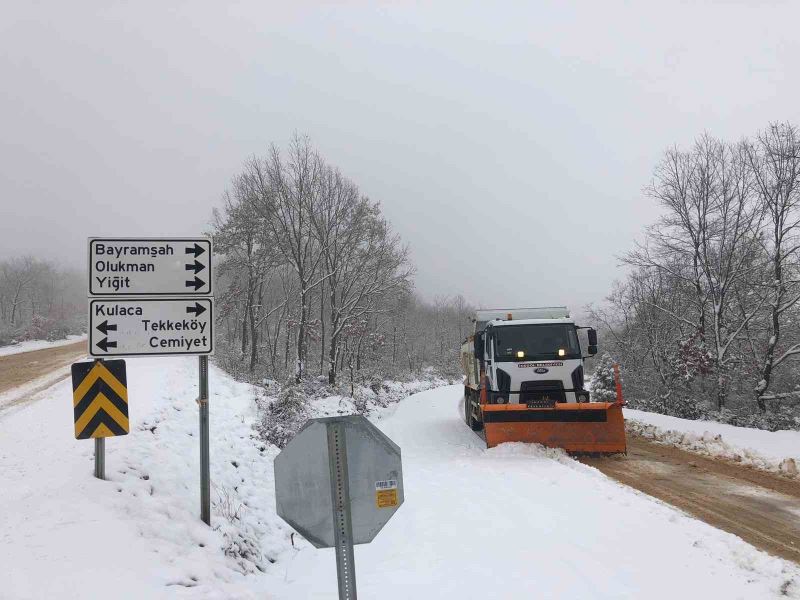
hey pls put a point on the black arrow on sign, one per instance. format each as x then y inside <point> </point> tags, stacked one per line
<point>196,267</point>
<point>198,309</point>
<point>104,328</point>
<point>104,344</point>
<point>197,250</point>
<point>196,284</point>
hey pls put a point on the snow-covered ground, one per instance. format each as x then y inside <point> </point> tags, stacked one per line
<point>38,345</point>
<point>64,534</point>
<point>512,522</point>
<point>777,451</point>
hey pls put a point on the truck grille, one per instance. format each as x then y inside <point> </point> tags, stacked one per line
<point>541,394</point>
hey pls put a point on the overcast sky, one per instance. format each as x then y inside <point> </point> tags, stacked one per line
<point>507,142</point>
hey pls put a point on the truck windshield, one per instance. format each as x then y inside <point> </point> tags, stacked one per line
<point>536,342</point>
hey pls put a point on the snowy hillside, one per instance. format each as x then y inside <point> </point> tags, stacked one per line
<point>30,345</point>
<point>509,522</point>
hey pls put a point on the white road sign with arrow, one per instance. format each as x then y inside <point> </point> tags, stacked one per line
<point>150,267</point>
<point>151,326</point>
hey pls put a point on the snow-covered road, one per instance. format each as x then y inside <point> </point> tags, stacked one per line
<point>24,374</point>
<point>513,522</point>
<point>518,521</point>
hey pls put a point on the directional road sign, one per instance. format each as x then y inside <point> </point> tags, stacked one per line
<point>303,486</point>
<point>150,267</point>
<point>100,399</point>
<point>151,326</point>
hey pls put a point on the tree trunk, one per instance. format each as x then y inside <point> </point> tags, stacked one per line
<point>244,332</point>
<point>286,351</point>
<point>333,348</point>
<point>766,373</point>
<point>247,308</point>
<point>352,375</point>
<point>332,357</point>
<point>300,354</point>
<point>254,334</point>
<point>322,329</point>
<point>14,302</point>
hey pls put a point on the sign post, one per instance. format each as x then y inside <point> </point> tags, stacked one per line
<point>338,482</point>
<point>100,458</point>
<point>153,297</point>
<point>342,519</point>
<point>100,405</point>
<point>205,461</point>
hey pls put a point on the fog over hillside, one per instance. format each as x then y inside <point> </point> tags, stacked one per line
<point>508,147</point>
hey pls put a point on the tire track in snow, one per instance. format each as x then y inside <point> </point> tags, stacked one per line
<point>757,506</point>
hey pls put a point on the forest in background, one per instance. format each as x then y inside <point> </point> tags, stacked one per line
<point>316,284</point>
<point>40,300</point>
<point>707,321</point>
<point>317,287</point>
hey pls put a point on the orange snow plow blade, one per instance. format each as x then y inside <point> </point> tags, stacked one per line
<point>596,427</point>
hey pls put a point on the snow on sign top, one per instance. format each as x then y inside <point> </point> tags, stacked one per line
<point>150,267</point>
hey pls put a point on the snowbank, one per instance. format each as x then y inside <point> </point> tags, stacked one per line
<point>777,451</point>
<point>38,345</point>
<point>65,534</point>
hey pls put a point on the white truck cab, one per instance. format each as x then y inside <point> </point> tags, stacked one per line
<point>530,356</point>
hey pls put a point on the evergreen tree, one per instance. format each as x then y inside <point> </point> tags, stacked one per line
<point>603,386</point>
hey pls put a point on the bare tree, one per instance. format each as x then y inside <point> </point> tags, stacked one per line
<point>363,259</point>
<point>775,163</point>
<point>285,194</point>
<point>294,233</point>
<point>705,243</point>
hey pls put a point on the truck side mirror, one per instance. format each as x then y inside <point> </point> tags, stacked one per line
<point>478,345</point>
<point>592,335</point>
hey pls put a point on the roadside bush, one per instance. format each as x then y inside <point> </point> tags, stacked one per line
<point>686,407</point>
<point>42,328</point>
<point>281,419</point>
<point>11,335</point>
<point>230,360</point>
<point>776,419</point>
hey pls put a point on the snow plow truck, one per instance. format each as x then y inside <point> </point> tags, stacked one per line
<point>524,382</point>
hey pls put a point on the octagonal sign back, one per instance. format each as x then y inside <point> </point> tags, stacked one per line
<point>303,480</point>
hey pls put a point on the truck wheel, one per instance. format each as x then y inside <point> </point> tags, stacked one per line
<point>473,423</point>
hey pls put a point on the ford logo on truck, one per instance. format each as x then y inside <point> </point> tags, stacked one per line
<point>541,370</point>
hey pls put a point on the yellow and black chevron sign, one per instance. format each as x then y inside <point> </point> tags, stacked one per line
<point>100,399</point>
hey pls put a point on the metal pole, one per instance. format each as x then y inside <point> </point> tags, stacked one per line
<point>99,450</point>
<point>100,458</point>
<point>342,524</point>
<point>205,470</point>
